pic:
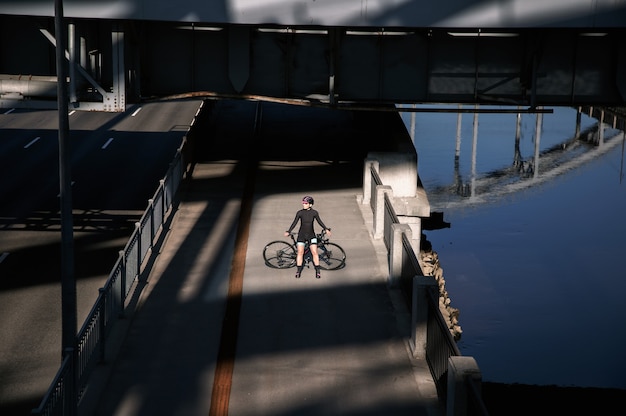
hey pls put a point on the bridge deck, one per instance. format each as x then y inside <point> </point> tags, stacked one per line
<point>337,345</point>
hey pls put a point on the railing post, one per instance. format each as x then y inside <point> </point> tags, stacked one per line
<point>367,179</point>
<point>419,314</point>
<point>379,212</point>
<point>460,371</point>
<point>161,189</point>
<point>166,187</point>
<point>150,209</point>
<point>396,252</point>
<point>138,229</point>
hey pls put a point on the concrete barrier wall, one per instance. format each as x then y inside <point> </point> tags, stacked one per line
<point>382,173</point>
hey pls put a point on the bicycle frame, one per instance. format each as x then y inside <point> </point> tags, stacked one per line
<point>280,254</point>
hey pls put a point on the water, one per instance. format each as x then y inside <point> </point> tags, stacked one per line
<point>537,271</point>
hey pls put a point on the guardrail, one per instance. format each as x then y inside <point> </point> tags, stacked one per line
<point>68,386</point>
<point>440,344</point>
<point>457,378</point>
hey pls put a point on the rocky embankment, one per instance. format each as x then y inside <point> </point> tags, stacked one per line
<point>429,262</point>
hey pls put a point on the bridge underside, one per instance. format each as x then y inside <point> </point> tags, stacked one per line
<point>112,63</point>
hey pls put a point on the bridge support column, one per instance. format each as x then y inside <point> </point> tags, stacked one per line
<point>398,170</point>
<point>116,101</point>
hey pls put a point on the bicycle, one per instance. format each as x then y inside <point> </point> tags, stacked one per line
<point>282,255</point>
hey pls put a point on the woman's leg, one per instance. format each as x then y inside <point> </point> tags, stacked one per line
<point>316,259</point>
<point>314,255</point>
<point>300,255</point>
<point>299,259</point>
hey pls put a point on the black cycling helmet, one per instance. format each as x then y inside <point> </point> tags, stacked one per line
<point>308,199</point>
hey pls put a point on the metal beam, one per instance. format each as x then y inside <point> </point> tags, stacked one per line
<point>342,66</point>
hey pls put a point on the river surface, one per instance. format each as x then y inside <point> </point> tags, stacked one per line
<point>536,267</point>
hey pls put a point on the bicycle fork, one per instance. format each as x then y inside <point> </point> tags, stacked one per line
<point>307,258</point>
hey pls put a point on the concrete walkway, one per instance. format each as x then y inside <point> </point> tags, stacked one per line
<point>330,346</point>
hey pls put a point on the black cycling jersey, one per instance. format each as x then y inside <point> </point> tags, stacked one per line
<point>306,218</point>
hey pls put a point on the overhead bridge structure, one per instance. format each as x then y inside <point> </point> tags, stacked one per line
<point>318,52</point>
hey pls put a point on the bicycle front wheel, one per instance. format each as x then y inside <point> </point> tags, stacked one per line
<point>332,256</point>
<point>279,255</point>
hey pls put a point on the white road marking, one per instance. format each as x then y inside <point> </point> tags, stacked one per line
<point>9,111</point>
<point>32,142</point>
<point>3,256</point>
<point>71,112</point>
<point>135,112</point>
<point>107,143</point>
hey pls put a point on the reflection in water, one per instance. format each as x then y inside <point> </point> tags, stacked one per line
<point>559,155</point>
<point>533,258</point>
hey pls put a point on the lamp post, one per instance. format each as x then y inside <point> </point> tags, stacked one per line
<point>68,281</point>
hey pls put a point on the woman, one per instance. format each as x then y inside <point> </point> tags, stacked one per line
<point>307,215</point>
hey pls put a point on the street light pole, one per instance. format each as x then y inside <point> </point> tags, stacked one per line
<point>68,281</point>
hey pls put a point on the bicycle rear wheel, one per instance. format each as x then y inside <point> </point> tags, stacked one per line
<point>332,256</point>
<point>279,255</point>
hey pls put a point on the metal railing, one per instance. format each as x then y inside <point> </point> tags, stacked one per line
<point>410,269</point>
<point>112,299</point>
<point>440,344</point>
<point>389,218</point>
<point>63,396</point>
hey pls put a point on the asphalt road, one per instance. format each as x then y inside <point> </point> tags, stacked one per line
<point>117,162</point>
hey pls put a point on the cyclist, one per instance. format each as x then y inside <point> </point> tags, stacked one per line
<point>307,215</point>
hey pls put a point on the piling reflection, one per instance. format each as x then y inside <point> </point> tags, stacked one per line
<point>532,162</point>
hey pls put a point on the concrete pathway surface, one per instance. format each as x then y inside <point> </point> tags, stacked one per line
<point>330,346</point>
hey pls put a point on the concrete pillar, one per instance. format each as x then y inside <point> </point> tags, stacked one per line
<point>416,231</point>
<point>419,314</point>
<point>395,252</point>
<point>367,179</point>
<point>460,369</point>
<point>379,210</point>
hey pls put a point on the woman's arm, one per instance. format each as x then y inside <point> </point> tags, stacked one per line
<point>321,223</point>
<point>293,224</point>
